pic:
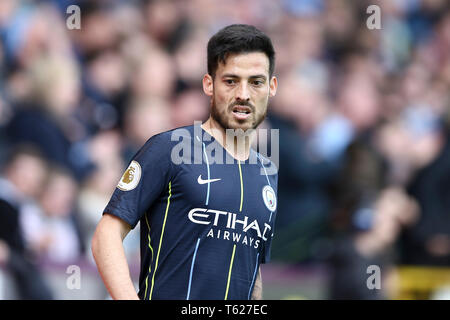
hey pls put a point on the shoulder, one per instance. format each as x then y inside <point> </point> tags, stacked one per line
<point>171,135</point>
<point>167,138</point>
<point>159,148</point>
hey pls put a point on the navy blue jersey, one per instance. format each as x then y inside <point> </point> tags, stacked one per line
<point>206,224</point>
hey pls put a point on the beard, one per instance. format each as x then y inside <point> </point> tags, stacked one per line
<point>223,118</point>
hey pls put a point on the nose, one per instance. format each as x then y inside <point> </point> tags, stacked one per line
<point>242,92</point>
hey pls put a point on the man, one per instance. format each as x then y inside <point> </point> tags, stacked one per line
<point>23,175</point>
<point>206,226</point>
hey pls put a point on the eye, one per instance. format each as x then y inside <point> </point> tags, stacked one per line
<point>257,83</point>
<point>230,81</point>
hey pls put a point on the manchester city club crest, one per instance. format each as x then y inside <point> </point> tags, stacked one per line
<point>269,197</point>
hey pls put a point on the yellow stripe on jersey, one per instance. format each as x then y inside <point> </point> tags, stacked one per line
<point>151,249</point>
<point>229,272</point>
<point>234,247</point>
<point>161,238</point>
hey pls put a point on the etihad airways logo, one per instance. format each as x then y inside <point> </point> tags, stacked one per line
<point>238,224</point>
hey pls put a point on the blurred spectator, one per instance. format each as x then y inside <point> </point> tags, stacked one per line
<point>358,101</point>
<point>428,242</point>
<point>97,17</point>
<point>189,62</point>
<point>189,106</point>
<point>106,148</point>
<point>52,230</point>
<point>46,118</point>
<point>153,75</point>
<point>164,22</point>
<point>105,86</point>
<point>23,176</point>
<point>368,220</point>
<point>303,116</point>
<point>144,119</point>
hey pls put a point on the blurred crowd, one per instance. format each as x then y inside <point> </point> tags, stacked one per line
<point>363,118</point>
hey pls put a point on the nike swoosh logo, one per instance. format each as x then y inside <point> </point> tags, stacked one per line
<point>201,181</point>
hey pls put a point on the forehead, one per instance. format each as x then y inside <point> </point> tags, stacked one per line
<point>244,64</point>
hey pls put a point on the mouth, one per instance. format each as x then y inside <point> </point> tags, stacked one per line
<point>241,112</point>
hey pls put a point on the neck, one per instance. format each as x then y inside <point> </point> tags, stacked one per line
<point>238,145</point>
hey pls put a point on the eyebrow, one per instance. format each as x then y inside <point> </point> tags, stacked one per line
<point>231,75</point>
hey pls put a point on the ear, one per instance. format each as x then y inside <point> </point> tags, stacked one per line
<point>208,85</point>
<point>273,85</point>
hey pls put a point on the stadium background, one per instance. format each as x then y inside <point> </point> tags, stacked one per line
<point>364,134</point>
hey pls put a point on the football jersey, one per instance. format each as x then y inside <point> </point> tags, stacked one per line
<point>206,219</point>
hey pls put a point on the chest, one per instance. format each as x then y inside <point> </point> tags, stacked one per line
<point>234,188</point>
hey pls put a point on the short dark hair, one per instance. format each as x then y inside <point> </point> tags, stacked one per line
<point>17,151</point>
<point>238,38</point>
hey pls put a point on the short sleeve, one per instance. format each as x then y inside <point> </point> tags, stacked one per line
<point>145,179</point>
